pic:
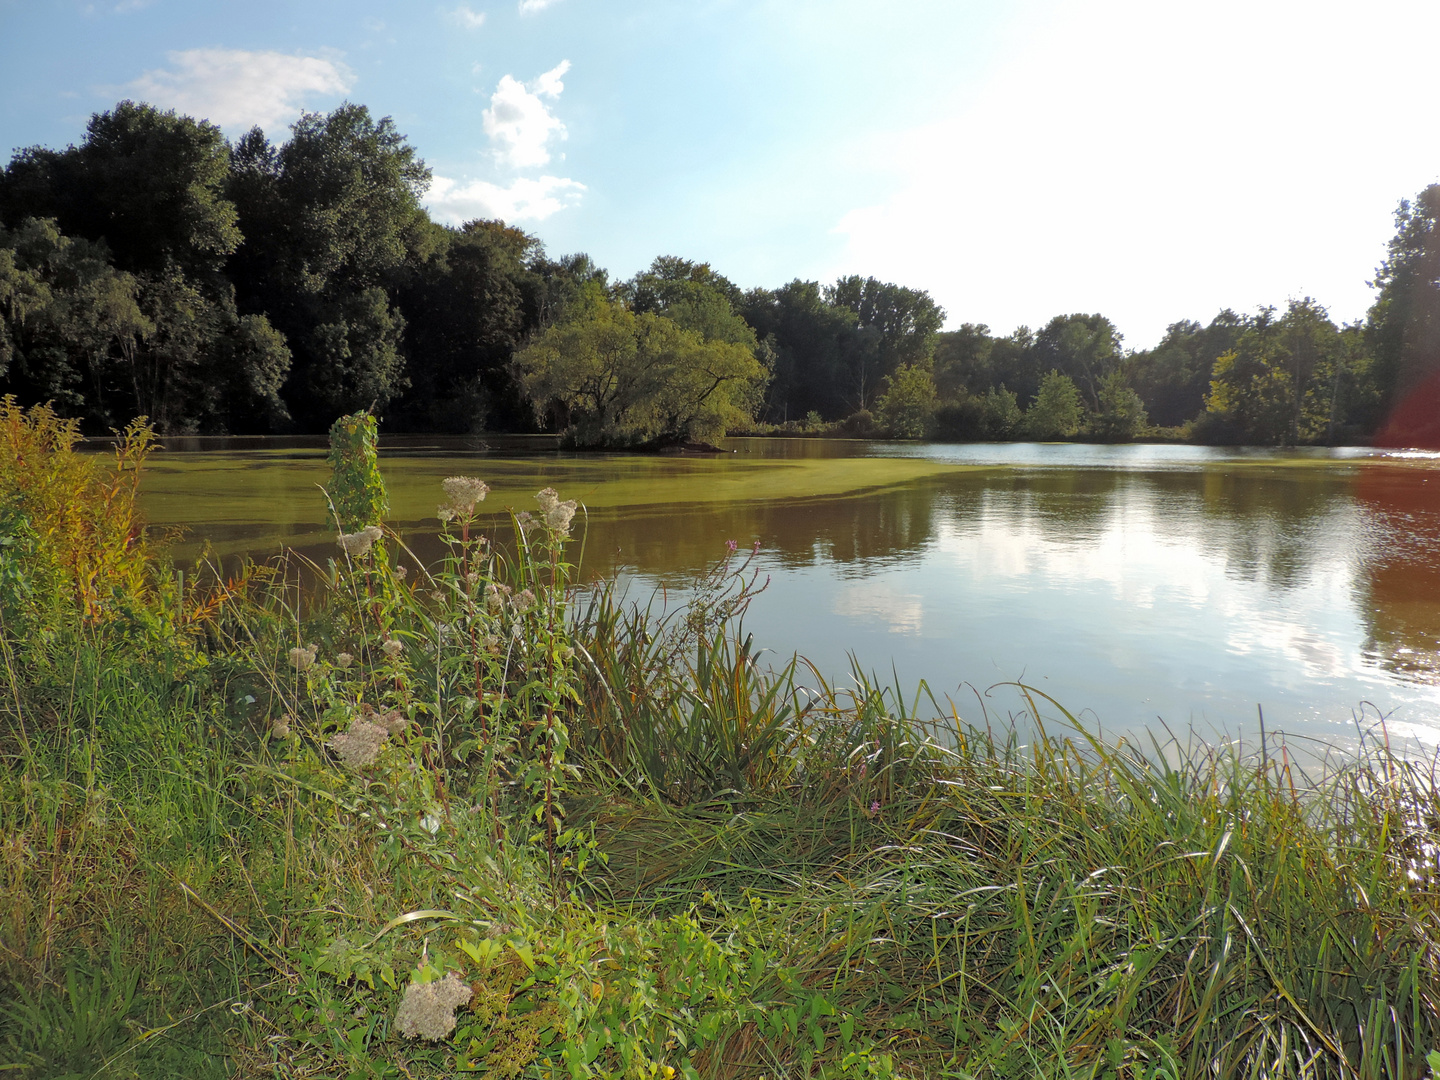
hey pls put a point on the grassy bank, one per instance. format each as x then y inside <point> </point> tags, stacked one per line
<point>477,821</point>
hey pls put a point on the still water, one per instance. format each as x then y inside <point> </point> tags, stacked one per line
<point>1139,586</point>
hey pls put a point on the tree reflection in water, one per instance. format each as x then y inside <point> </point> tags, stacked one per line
<point>1185,584</point>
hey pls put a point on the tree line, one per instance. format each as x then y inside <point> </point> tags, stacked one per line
<point>158,269</point>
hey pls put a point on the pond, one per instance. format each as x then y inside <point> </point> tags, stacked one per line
<point>1142,587</point>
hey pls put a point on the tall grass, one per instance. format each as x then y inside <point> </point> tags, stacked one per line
<point>377,819</point>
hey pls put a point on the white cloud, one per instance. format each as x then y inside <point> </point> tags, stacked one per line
<point>238,89</point>
<point>471,20</point>
<point>519,123</point>
<point>523,200</point>
<point>878,601</point>
<point>1157,162</point>
<point>530,7</point>
<point>125,7</point>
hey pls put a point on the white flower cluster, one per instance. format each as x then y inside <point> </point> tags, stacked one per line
<point>557,513</point>
<point>301,658</point>
<point>428,1010</point>
<point>359,747</point>
<point>359,543</point>
<point>462,493</point>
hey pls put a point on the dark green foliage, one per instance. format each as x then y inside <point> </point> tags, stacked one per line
<point>150,184</point>
<point>329,218</point>
<point>1173,379</point>
<point>468,306</point>
<point>1084,347</point>
<point>1121,415</point>
<point>813,343</point>
<point>1289,380</point>
<point>155,270</point>
<point>898,326</point>
<point>1403,329</point>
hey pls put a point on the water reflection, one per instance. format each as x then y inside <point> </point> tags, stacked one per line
<point>1135,583</point>
<point>1401,536</point>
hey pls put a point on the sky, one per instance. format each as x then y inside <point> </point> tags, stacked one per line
<point>1017,160</point>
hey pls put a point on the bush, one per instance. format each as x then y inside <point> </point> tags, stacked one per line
<point>908,404</point>
<point>859,425</point>
<point>72,548</point>
<point>961,421</point>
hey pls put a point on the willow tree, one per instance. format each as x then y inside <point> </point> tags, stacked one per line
<point>610,376</point>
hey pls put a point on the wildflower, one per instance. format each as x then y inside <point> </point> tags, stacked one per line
<point>344,660</point>
<point>400,573</point>
<point>428,1010</point>
<point>471,578</point>
<point>730,546</point>
<point>359,543</point>
<point>392,648</point>
<point>875,807</point>
<point>280,729</point>
<point>464,492</point>
<point>361,745</point>
<point>491,644</point>
<point>302,657</point>
<point>394,721</point>
<point>558,516</point>
<point>524,601</point>
<point>548,499</point>
<point>495,596</point>
<point>444,513</point>
<point>524,521</point>
<point>755,548</point>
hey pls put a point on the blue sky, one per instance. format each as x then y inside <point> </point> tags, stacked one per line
<point>1019,160</point>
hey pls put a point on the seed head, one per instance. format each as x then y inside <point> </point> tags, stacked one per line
<point>428,1010</point>
<point>361,745</point>
<point>359,543</point>
<point>302,658</point>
